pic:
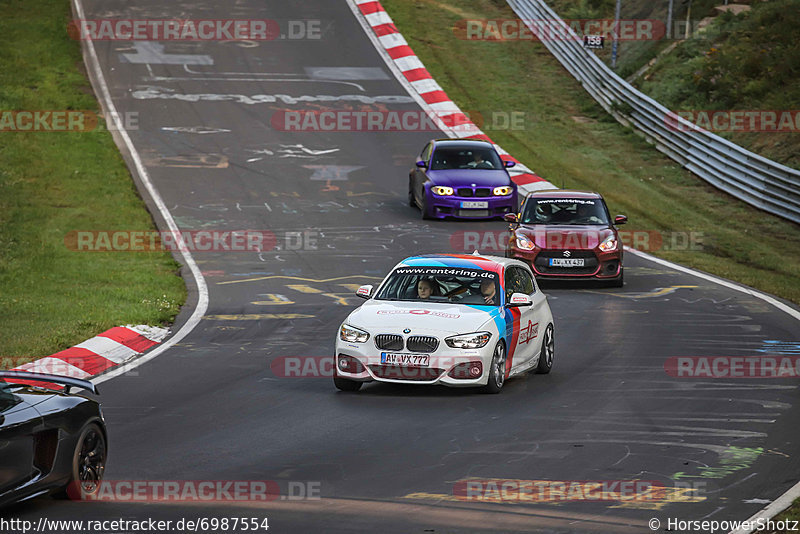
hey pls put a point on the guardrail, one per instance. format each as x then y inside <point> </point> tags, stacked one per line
<point>764,183</point>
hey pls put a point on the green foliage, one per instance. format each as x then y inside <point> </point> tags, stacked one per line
<point>52,297</point>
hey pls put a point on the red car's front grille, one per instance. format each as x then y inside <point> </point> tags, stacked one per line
<point>542,262</point>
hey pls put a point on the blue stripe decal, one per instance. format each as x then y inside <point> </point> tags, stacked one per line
<point>500,321</point>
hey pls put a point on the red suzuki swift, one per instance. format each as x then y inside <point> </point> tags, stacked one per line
<point>566,234</point>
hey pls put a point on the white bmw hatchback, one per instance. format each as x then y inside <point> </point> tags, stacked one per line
<point>455,320</point>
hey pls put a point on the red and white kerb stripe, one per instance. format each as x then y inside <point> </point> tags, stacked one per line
<point>109,349</point>
<point>436,100</point>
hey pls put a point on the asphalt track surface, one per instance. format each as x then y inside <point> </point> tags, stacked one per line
<point>386,459</point>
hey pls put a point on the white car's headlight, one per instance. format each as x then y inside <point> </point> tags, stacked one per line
<point>608,244</point>
<point>353,335</point>
<point>474,340</point>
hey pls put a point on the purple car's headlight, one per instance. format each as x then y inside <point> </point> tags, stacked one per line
<point>442,191</point>
<point>502,191</point>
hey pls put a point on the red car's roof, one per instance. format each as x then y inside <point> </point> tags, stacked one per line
<point>564,193</point>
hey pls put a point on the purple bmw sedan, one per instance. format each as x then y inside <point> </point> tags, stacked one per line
<point>462,178</point>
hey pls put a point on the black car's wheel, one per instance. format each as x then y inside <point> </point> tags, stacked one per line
<point>548,351</point>
<point>88,463</point>
<point>497,370</point>
<point>345,384</point>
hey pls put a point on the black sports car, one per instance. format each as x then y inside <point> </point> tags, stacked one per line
<point>50,441</point>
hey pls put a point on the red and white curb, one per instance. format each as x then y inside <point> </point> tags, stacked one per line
<point>419,83</point>
<point>111,348</point>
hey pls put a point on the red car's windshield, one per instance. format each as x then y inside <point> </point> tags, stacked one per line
<point>565,211</point>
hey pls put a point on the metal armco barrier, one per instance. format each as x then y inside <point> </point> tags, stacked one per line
<point>766,184</point>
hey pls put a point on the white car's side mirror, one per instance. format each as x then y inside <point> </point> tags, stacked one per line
<point>365,292</point>
<point>518,300</point>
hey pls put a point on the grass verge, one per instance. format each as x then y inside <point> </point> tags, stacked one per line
<point>787,518</point>
<point>572,142</point>
<point>52,183</point>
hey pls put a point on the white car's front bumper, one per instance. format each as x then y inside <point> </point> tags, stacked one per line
<point>441,363</point>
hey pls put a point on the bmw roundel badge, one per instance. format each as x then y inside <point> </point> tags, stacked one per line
<point>407,331</point>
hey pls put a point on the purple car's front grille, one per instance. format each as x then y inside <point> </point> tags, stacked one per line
<point>482,192</point>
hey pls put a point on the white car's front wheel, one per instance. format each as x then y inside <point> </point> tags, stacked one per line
<point>548,352</point>
<point>497,369</point>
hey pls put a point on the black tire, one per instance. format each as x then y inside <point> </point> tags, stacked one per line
<point>423,209</point>
<point>619,281</point>
<point>345,384</point>
<point>497,370</point>
<point>547,354</point>
<point>88,464</point>
<point>411,201</point>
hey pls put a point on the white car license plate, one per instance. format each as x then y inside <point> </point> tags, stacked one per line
<point>475,204</point>
<point>566,262</point>
<point>405,360</point>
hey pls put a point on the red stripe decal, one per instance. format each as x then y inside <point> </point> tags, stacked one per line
<point>371,7</point>
<point>482,137</point>
<point>512,343</point>
<point>435,97</point>
<point>130,338</point>
<point>84,359</point>
<point>385,29</point>
<point>396,52</point>
<point>415,75</point>
<point>523,179</point>
<point>455,119</point>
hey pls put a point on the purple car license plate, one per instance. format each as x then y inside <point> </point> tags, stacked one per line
<point>474,204</point>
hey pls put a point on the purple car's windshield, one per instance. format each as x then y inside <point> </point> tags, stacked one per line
<point>565,211</point>
<point>442,284</point>
<point>465,158</point>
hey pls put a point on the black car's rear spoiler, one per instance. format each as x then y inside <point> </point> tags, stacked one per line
<point>55,379</point>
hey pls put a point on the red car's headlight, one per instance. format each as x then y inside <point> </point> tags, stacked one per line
<point>610,243</point>
<point>524,242</point>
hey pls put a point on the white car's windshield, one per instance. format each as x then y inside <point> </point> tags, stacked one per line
<point>442,284</point>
